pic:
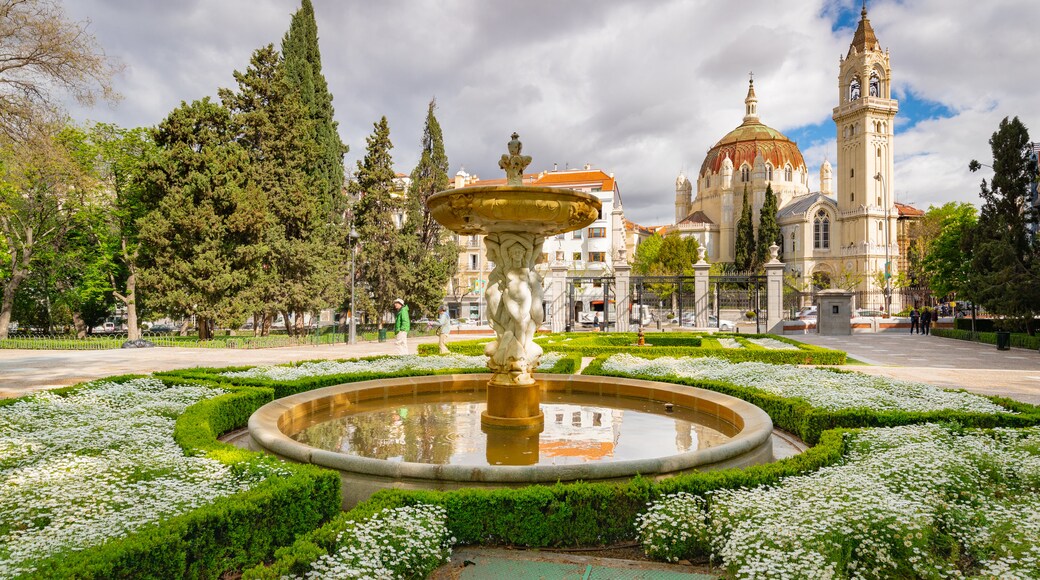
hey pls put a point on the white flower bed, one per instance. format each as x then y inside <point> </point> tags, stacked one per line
<point>772,344</point>
<point>904,495</point>
<point>819,387</point>
<point>729,343</point>
<point>390,364</point>
<point>407,542</point>
<point>76,471</point>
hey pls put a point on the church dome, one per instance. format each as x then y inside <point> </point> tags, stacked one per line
<point>751,138</point>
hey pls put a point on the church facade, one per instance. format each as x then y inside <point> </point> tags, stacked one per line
<point>844,233</point>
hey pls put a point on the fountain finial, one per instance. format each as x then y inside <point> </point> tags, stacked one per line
<point>514,163</point>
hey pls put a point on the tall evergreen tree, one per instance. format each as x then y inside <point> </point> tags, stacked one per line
<point>744,256</point>
<point>379,260</point>
<point>303,72</point>
<point>295,264</point>
<point>768,229</point>
<point>198,218</point>
<point>1005,272</point>
<point>432,253</point>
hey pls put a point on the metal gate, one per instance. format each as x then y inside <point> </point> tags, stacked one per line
<point>738,297</point>
<point>591,303</point>
<point>662,300</point>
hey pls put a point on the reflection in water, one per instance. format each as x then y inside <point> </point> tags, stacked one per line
<point>578,429</point>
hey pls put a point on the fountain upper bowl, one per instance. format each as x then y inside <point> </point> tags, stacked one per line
<point>491,209</point>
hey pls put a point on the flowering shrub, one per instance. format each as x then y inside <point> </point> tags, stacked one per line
<point>772,344</point>
<point>405,542</point>
<point>729,343</point>
<point>919,501</point>
<point>78,470</point>
<point>384,365</point>
<point>675,527</point>
<point>821,388</point>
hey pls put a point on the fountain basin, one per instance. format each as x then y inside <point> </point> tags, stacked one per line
<point>272,426</point>
<point>543,211</point>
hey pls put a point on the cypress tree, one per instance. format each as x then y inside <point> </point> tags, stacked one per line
<point>745,244</point>
<point>380,257</point>
<point>432,254</point>
<point>302,61</point>
<point>768,229</point>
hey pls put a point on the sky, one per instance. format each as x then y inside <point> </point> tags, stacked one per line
<point>638,88</point>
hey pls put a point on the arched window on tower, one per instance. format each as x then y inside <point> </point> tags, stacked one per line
<point>769,172</point>
<point>854,90</point>
<point>821,231</point>
<point>745,173</point>
<point>875,84</point>
<point>788,175</point>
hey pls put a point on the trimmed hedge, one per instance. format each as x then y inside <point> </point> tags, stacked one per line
<point>576,514</point>
<point>1018,339</point>
<point>809,423</point>
<point>665,344</point>
<point>230,533</point>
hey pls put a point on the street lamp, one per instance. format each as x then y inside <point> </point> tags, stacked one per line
<point>352,329</point>
<point>888,262</point>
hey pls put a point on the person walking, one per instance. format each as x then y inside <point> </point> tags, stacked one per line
<point>926,320</point>
<point>402,324</point>
<point>915,320</point>
<point>443,328</point>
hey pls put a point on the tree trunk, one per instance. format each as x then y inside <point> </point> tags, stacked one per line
<point>81,327</point>
<point>205,332</point>
<point>133,332</point>
<point>184,327</point>
<point>7,303</point>
<point>288,323</point>
<point>268,319</point>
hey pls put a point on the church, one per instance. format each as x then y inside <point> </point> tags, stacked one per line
<point>844,232</point>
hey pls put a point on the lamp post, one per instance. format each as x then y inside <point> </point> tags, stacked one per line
<point>352,328</point>
<point>888,263</point>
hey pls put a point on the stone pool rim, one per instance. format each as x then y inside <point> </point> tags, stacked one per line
<point>754,425</point>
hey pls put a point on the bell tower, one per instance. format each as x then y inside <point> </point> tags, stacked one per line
<point>864,120</point>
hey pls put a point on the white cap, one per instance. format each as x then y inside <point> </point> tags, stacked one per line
<point>399,301</point>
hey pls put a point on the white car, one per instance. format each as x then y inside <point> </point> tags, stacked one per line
<point>723,324</point>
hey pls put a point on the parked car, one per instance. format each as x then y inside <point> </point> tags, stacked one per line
<point>868,313</point>
<point>160,328</point>
<point>105,327</point>
<point>722,324</point>
<point>808,312</point>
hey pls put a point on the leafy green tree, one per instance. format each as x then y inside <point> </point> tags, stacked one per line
<point>1005,262</point>
<point>380,256</point>
<point>302,61</point>
<point>945,263</point>
<point>295,264</point>
<point>768,229</point>
<point>666,256</point>
<point>200,215</point>
<point>432,255</point>
<point>42,190</point>
<point>744,255</point>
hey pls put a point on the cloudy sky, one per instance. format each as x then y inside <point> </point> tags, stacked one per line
<point>638,88</point>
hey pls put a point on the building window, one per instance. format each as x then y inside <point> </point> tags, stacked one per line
<point>769,173</point>
<point>597,232</point>
<point>599,216</point>
<point>559,256</point>
<point>852,197</point>
<point>875,84</point>
<point>707,181</point>
<point>880,225</point>
<point>788,173</point>
<point>745,173</point>
<point>576,256</point>
<point>474,262</point>
<point>597,256</point>
<point>821,231</point>
<point>852,172</point>
<point>577,234</point>
<point>854,90</point>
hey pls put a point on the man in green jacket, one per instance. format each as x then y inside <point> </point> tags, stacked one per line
<point>402,324</point>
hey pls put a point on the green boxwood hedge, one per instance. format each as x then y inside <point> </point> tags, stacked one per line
<point>809,423</point>
<point>227,535</point>
<point>665,344</point>
<point>1018,339</point>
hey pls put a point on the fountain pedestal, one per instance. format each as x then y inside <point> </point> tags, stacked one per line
<point>515,219</point>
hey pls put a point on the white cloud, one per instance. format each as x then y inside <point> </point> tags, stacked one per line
<point>635,88</point>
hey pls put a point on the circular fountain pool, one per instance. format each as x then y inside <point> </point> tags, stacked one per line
<point>425,433</point>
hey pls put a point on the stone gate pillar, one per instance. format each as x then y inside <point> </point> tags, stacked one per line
<point>774,292</point>
<point>558,305</point>
<point>622,293</point>
<point>700,289</point>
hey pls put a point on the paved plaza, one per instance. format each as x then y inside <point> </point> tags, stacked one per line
<point>945,362</point>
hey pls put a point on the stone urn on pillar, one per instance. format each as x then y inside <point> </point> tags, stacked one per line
<point>515,220</point>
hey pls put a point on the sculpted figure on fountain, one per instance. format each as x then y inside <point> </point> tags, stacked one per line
<point>514,298</point>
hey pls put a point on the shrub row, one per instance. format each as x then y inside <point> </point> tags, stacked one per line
<point>575,514</point>
<point>228,534</point>
<point>809,423</point>
<point>665,344</point>
<point>993,324</point>
<point>1019,340</point>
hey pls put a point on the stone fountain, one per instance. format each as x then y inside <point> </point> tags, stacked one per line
<point>515,220</point>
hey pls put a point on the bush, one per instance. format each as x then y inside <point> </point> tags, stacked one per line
<point>1018,340</point>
